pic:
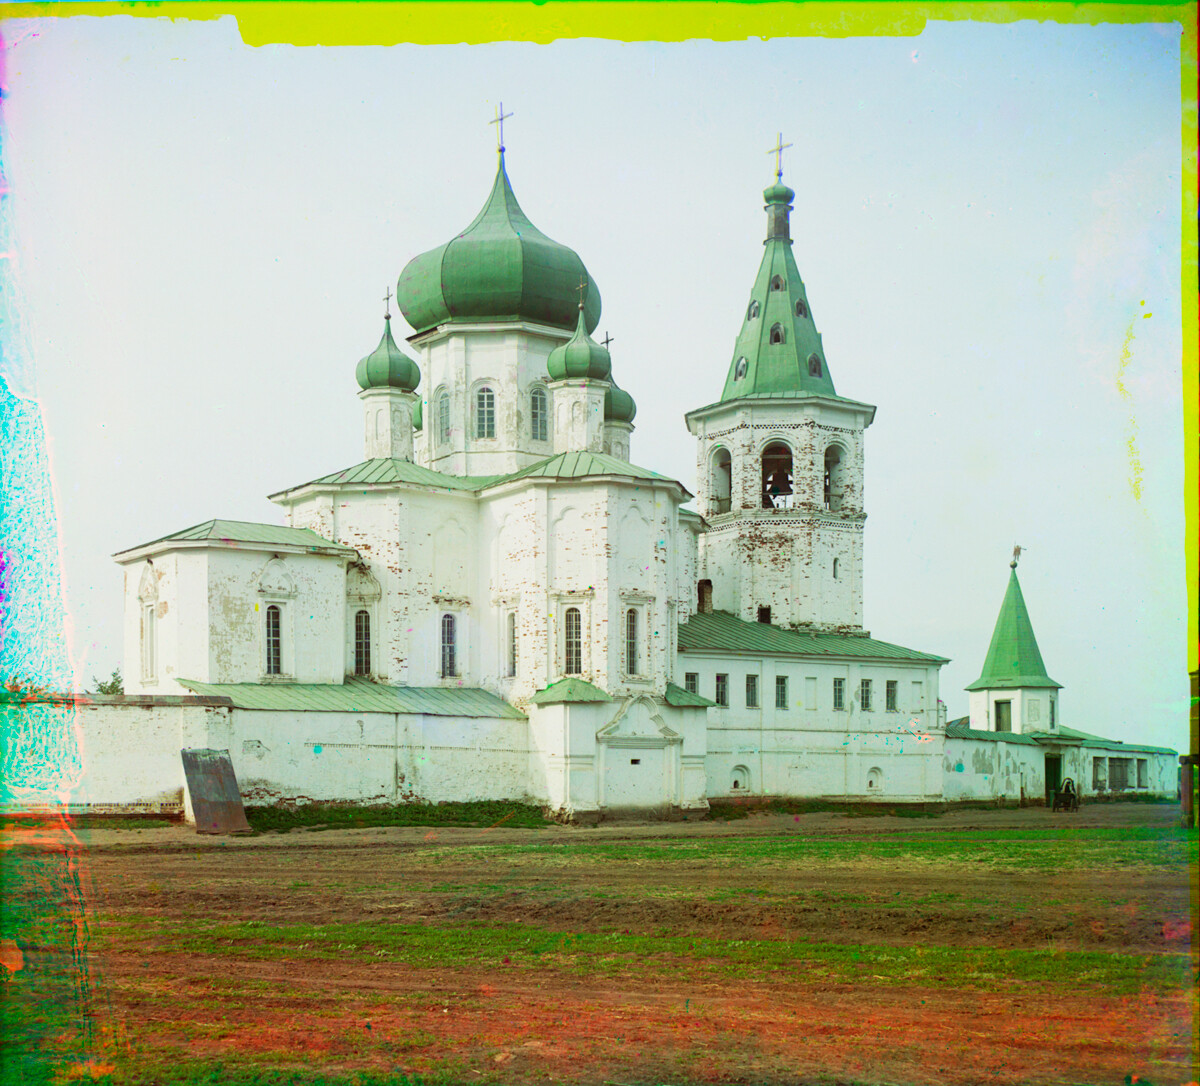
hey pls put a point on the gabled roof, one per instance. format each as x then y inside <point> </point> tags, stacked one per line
<point>719,631</point>
<point>958,729</point>
<point>244,531</point>
<point>569,465</point>
<point>1013,659</point>
<point>360,696</point>
<point>569,690</point>
<point>685,699</point>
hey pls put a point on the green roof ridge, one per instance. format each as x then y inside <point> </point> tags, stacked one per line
<point>1013,659</point>
<point>245,531</point>
<point>685,699</point>
<point>569,690</point>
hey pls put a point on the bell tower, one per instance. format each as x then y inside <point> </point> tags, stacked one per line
<point>780,460</point>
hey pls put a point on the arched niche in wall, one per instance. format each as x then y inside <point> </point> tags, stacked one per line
<point>361,586</point>
<point>720,484</point>
<point>148,585</point>
<point>835,476</point>
<point>276,581</point>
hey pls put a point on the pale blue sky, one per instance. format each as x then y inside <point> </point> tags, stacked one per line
<point>206,232</point>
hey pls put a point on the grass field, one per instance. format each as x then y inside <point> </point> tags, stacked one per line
<point>1009,947</point>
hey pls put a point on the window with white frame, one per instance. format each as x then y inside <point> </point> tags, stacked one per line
<point>572,641</point>
<point>274,640</point>
<point>721,691</point>
<point>781,693</point>
<point>631,642</point>
<point>362,642</point>
<point>443,417</point>
<point>691,682</point>
<point>449,646</point>
<point>890,693</point>
<point>839,693</point>
<point>751,691</point>
<point>864,695</point>
<point>510,634</point>
<point>485,413</point>
<point>539,414</point>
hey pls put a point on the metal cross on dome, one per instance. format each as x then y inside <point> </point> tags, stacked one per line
<point>606,340</point>
<point>777,151</point>
<point>387,305</point>
<point>582,288</point>
<point>498,121</point>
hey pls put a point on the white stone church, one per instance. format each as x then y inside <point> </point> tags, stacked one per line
<point>495,601</point>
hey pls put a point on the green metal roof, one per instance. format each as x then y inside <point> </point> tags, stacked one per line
<point>387,366</point>
<point>501,267</point>
<point>958,730</point>
<point>567,691</point>
<point>719,631</point>
<point>778,348</point>
<point>244,531</point>
<point>360,696</point>
<point>1013,659</point>
<point>1086,739</point>
<point>685,699</point>
<point>570,465</point>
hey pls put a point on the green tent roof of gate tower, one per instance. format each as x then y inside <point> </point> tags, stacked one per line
<point>1013,659</point>
<point>501,267</point>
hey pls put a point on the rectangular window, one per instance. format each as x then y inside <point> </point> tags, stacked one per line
<point>1118,774</point>
<point>274,642</point>
<point>149,663</point>
<point>864,695</point>
<point>810,692</point>
<point>573,631</point>
<point>918,697</point>
<point>839,693</point>
<point>751,691</point>
<point>1143,771</point>
<point>362,643</point>
<point>722,690</point>
<point>485,413</point>
<point>781,692</point>
<point>1004,716</point>
<point>1052,710</point>
<point>449,647</point>
<point>764,615</point>
<point>537,414</point>
<point>511,633</point>
<point>1099,775</point>
<point>691,682</point>
<point>890,694</point>
<point>631,641</point>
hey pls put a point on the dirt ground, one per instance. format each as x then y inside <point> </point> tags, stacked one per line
<point>558,1022</point>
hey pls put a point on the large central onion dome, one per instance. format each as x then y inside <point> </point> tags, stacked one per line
<point>501,267</point>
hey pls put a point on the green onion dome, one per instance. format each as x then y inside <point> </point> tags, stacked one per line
<point>581,356</point>
<point>778,193</point>
<point>501,267</point>
<point>418,415</point>
<point>618,404</point>
<point>387,366</point>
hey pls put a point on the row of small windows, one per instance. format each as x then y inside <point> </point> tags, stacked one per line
<point>754,310</point>
<point>691,683</point>
<point>484,415</point>
<point>777,336</point>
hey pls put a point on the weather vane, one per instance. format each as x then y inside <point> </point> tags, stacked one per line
<point>498,121</point>
<point>387,305</point>
<point>1016,556</point>
<point>777,151</point>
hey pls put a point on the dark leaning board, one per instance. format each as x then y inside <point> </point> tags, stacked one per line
<point>216,800</point>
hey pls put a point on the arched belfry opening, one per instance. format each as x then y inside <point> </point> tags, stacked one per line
<point>777,490</point>
<point>835,473</point>
<point>704,600</point>
<point>721,481</point>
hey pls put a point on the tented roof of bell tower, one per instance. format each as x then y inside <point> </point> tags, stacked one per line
<point>778,349</point>
<point>1013,659</point>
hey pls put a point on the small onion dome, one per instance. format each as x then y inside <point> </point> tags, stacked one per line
<point>418,415</point>
<point>618,404</point>
<point>387,366</point>
<point>580,356</point>
<point>778,193</point>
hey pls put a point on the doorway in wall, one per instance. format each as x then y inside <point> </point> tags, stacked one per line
<point>1053,776</point>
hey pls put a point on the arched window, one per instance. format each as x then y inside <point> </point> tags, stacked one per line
<point>511,637</point>
<point>777,476</point>
<point>721,484</point>
<point>739,371</point>
<point>814,366</point>
<point>538,415</point>
<point>739,779</point>
<point>449,648</point>
<point>485,413</point>
<point>631,641</point>
<point>777,334</point>
<point>834,474</point>
<point>835,569</point>
<point>777,282</point>
<point>801,308</point>
<point>443,417</point>
<point>752,312</point>
<point>573,641</point>
<point>274,641</point>
<point>362,643</point>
